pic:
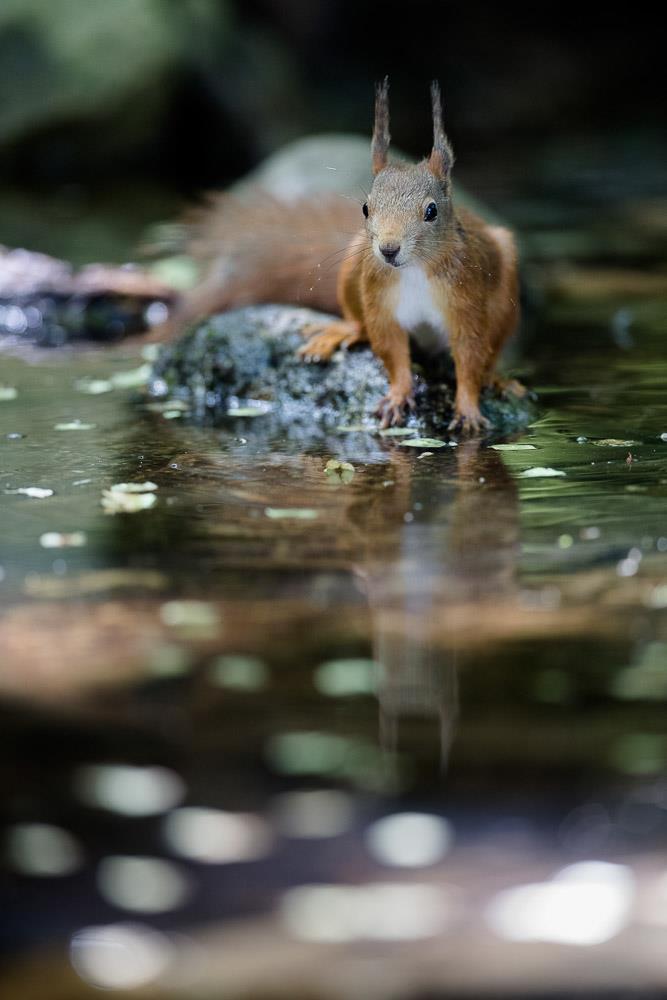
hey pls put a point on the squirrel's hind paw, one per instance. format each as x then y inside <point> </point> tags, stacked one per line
<point>391,409</point>
<point>472,423</point>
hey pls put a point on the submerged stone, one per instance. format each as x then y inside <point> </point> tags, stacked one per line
<point>250,354</point>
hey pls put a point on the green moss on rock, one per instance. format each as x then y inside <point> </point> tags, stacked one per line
<point>250,354</point>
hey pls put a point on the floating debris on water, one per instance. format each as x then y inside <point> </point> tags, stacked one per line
<point>397,431</point>
<point>341,678</point>
<point>590,534</point>
<point>538,472</point>
<point>146,487</point>
<point>128,789</point>
<point>142,884</point>
<point>7,393</point>
<point>339,472</point>
<point>169,660</point>
<point>43,850</point>
<point>614,443</point>
<point>115,502</point>
<point>249,408</point>
<point>58,540</point>
<point>128,498</point>
<point>293,513</point>
<point>192,619</point>
<point>74,425</point>
<point>426,443</point>
<point>93,386</point>
<point>242,673</point>
<point>131,379</point>
<point>513,447</point>
<point>36,492</point>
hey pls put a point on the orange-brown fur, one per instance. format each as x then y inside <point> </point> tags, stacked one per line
<point>252,247</point>
<point>468,266</point>
<point>257,248</point>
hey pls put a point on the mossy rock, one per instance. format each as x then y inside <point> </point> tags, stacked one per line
<point>246,362</point>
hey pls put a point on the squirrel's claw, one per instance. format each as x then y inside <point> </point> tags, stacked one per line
<point>472,423</point>
<point>391,409</point>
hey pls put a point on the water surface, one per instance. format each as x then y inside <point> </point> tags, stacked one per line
<point>294,666</point>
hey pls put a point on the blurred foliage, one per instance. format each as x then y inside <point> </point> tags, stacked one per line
<point>193,92</point>
<point>63,61</point>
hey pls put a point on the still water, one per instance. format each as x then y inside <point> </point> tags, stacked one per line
<point>396,734</point>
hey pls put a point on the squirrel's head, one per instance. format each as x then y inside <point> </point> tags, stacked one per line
<point>409,208</point>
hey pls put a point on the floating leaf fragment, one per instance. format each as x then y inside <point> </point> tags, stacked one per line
<point>165,405</point>
<point>341,472</point>
<point>62,540</point>
<point>426,454</point>
<point>192,619</point>
<point>398,432</point>
<point>539,472</point>
<point>135,377</point>
<point>513,447</point>
<point>127,503</point>
<point>248,411</point>
<point>614,443</point>
<point>7,393</point>
<point>93,386</point>
<point>36,492</point>
<point>74,425</point>
<point>244,673</point>
<point>291,513</point>
<point>424,443</point>
<point>128,498</point>
<point>146,487</point>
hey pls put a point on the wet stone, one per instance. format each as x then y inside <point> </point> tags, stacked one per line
<point>251,354</point>
<point>47,302</point>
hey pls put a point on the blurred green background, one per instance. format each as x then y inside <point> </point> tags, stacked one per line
<point>190,93</point>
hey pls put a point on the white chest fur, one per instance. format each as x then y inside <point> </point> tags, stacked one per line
<point>417,312</point>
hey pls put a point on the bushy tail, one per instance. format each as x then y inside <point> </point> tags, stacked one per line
<point>253,247</point>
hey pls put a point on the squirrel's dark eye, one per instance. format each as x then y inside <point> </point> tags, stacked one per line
<point>430,212</point>
<point>365,209</point>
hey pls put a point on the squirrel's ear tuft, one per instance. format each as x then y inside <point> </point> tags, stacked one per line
<point>381,137</point>
<point>442,158</point>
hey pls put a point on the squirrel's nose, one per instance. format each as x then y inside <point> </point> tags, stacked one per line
<point>390,251</point>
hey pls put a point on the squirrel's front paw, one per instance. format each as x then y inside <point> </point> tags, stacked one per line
<point>469,422</point>
<point>325,340</point>
<point>320,347</point>
<point>391,408</point>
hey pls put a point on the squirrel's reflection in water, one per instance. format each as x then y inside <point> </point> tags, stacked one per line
<point>431,542</point>
<point>440,553</point>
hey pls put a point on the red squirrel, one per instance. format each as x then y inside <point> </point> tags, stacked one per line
<point>421,268</point>
<point>418,268</point>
